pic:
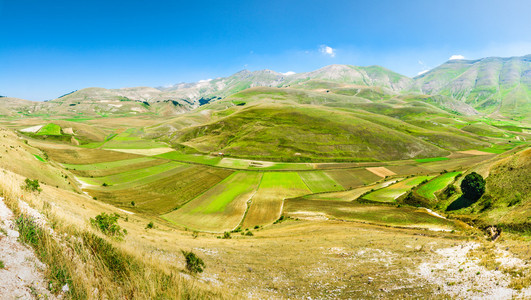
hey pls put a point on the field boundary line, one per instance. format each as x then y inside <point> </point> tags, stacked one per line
<point>249,202</point>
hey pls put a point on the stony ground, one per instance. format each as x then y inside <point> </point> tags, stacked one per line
<point>22,275</point>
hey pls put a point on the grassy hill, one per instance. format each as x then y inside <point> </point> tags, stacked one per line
<point>492,85</point>
<point>507,200</point>
<point>294,133</point>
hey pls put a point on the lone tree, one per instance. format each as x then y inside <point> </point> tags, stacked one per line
<point>194,264</point>
<point>473,186</point>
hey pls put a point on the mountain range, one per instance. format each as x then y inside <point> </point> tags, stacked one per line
<point>494,86</point>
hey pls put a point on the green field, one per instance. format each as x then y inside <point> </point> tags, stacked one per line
<point>196,158</point>
<point>112,168</point>
<point>319,181</point>
<point>353,178</point>
<point>222,207</point>
<point>350,195</point>
<point>132,175</point>
<point>50,129</point>
<point>108,165</point>
<point>423,160</point>
<point>429,189</point>
<point>390,193</point>
<point>266,204</point>
<point>161,193</point>
<point>39,158</point>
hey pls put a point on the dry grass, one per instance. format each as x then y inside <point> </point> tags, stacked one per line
<point>381,171</point>
<point>92,265</point>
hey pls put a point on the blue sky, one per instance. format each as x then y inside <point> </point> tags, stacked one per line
<point>49,48</point>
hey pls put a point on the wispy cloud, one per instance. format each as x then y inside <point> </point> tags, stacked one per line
<point>422,72</point>
<point>327,50</point>
<point>456,56</point>
<point>288,73</point>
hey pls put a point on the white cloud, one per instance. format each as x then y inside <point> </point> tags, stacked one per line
<point>456,56</point>
<point>327,50</point>
<point>205,80</point>
<point>422,72</point>
<point>288,73</point>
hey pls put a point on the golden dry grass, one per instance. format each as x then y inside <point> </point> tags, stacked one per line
<point>381,171</point>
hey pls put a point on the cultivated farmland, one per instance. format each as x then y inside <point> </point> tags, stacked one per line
<point>164,192</point>
<point>429,189</point>
<point>319,181</point>
<point>222,207</point>
<point>390,193</point>
<point>266,205</point>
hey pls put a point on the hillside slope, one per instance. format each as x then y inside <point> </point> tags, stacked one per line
<point>492,85</point>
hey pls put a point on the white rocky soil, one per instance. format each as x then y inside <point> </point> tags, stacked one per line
<point>461,276</point>
<point>22,276</point>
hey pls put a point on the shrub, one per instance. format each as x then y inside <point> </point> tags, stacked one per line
<point>104,184</point>
<point>249,233</point>
<point>29,232</point>
<point>107,223</point>
<point>473,186</point>
<point>133,203</point>
<point>150,225</point>
<point>2,266</point>
<point>226,235</point>
<point>32,185</point>
<point>194,264</point>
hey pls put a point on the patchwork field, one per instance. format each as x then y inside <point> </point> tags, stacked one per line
<point>267,203</point>
<point>133,175</point>
<point>350,195</point>
<point>50,129</point>
<point>390,193</point>
<point>164,192</point>
<point>375,214</point>
<point>319,181</point>
<point>222,207</point>
<point>72,155</point>
<point>352,178</point>
<point>113,167</point>
<point>429,189</point>
<point>381,171</point>
<point>195,158</point>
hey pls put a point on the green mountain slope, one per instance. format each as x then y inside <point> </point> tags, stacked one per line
<point>501,86</point>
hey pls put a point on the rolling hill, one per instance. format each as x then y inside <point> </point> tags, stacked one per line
<point>500,86</point>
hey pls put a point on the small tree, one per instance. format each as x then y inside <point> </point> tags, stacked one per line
<point>194,264</point>
<point>150,225</point>
<point>107,223</point>
<point>473,186</point>
<point>32,185</point>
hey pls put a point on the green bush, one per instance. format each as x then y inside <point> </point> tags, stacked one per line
<point>194,264</point>
<point>28,230</point>
<point>32,185</point>
<point>226,235</point>
<point>150,225</point>
<point>107,223</point>
<point>473,186</point>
